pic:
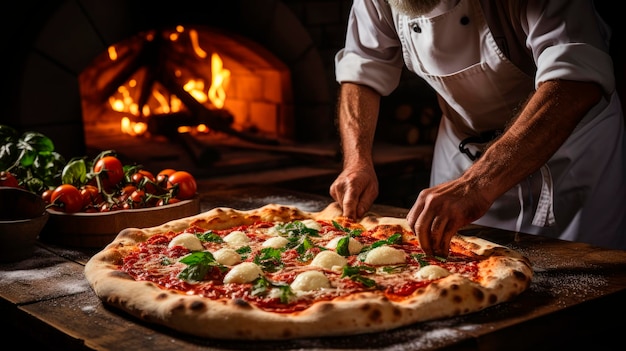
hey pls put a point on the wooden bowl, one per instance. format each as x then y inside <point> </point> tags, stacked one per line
<point>22,217</point>
<point>96,230</point>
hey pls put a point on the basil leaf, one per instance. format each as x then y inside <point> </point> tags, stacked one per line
<point>198,263</point>
<point>269,259</point>
<point>351,232</point>
<point>295,229</point>
<point>261,286</point>
<point>74,172</point>
<point>38,142</point>
<point>419,258</point>
<point>244,251</point>
<point>355,274</point>
<point>209,236</point>
<point>343,246</point>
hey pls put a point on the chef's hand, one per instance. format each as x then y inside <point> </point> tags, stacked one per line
<point>441,210</point>
<point>355,190</point>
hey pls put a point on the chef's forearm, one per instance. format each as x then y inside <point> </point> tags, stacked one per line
<point>358,115</point>
<point>541,128</point>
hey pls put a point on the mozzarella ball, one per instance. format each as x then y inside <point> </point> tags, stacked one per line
<point>384,255</point>
<point>431,272</point>
<point>354,246</point>
<point>188,241</point>
<point>312,224</point>
<point>329,260</point>
<point>227,256</point>
<point>276,242</point>
<point>244,272</point>
<point>310,280</point>
<point>237,238</point>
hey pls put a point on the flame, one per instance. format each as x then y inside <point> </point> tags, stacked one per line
<point>133,128</point>
<point>220,77</point>
<point>168,103</point>
<point>193,35</point>
<point>112,53</point>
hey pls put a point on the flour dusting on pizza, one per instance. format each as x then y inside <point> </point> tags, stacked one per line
<point>278,272</point>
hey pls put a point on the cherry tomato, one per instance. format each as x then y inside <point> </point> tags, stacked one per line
<point>144,180</point>
<point>47,196</point>
<point>110,170</point>
<point>8,179</point>
<point>138,196</point>
<point>67,198</point>
<point>162,176</point>
<point>183,185</point>
<point>90,195</point>
<point>126,191</point>
<point>164,202</point>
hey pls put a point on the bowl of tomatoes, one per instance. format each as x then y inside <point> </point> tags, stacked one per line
<point>99,198</point>
<point>22,217</point>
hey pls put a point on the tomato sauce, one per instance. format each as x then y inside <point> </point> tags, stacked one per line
<point>153,261</point>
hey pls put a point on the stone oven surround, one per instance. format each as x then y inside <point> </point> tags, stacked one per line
<point>57,40</point>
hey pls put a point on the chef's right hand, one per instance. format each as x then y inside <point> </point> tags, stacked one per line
<point>355,190</point>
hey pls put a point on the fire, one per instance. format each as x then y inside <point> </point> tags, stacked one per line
<point>164,102</point>
<point>220,76</point>
<point>133,128</point>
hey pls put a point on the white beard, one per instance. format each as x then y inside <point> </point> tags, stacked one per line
<point>414,8</point>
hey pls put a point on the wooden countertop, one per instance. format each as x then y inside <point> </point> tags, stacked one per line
<point>576,299</point>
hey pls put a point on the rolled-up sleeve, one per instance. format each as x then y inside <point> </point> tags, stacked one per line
<point>372,55</point>
<point>569,41</point>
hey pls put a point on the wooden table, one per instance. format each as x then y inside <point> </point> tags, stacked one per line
<point>577,299</point>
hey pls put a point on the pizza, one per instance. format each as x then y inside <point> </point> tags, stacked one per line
<point>278,272</point>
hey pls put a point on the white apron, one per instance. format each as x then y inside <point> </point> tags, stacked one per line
<point>479,91</point>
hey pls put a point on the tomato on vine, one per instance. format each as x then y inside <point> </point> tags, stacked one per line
<point>91,195</point>
<point>167,201</point>
<point>110,171</point>
<point>182,184</point>
<point>145,180</point>
<point>138,196</point>
<point>47,196</point>
<point>163,175</point>
<point>66,198</point>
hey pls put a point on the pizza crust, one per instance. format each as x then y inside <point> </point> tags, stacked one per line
<point>504,275</point>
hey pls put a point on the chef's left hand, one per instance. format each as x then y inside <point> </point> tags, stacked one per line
<point>441,210</point>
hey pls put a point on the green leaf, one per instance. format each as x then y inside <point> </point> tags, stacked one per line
<point>209,236</point>
<point>74,172</point>
<point>262,286</point>
<point>343,246</point>
<point>27,157</point>
<point>295,229</point>
<point>39,142</point>
<point>244,251</point>
<point>199,263</point>
<point>351,232</point>
<point>269,259</point>
<point>419,258</point>
<point>355,273</point>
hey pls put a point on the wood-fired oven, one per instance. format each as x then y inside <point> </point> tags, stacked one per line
<point>81,67</point>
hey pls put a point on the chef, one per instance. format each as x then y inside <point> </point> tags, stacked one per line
<point>532,133</point>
